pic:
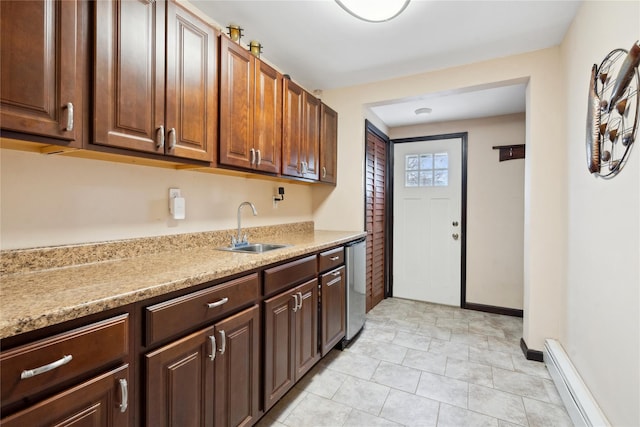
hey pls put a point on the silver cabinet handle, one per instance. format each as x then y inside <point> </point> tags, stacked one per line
<point>252,160</point>
<point>334,258</point>
<point>160,137</point>
<point>295,302</point>
<point>335,274</point>
<point>218,303</point>
<point>301,300</point>
<point>223,338</point>
<point>304,167</point>
<point>259,157</point>
<point>212,356</point>
<point>69,127</point>
<point>172,138</point>
<point>124,390</point>
<point>324,172</point>
<point>28,373</point>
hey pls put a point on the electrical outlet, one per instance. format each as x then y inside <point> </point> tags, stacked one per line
<point>174,192</point>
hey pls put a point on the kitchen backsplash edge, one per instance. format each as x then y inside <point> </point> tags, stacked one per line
<point>18,261</point>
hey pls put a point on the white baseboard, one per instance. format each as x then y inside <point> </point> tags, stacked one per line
<point>582,407</point>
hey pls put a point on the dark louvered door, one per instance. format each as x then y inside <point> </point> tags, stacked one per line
<point>376,161</point>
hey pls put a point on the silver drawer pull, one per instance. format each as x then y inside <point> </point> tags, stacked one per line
<point>172,138</point>
<point>69,127</point>
<point>334,258</point>
<point>212,356</point>
<point>223,338</point>
<point>301,300</point>
<point>336,273</point>
<point>218,303</point>
<point>160,137</point>
<point>295,303</point>
<point>324,172</point>
<point>259,157</point>
<point>46,368</point>
<point>252,160</point>
<point>124,390</point>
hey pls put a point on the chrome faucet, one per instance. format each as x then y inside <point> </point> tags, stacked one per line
<point>241,240</point>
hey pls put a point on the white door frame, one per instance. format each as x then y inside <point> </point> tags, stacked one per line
<point>463,214</point>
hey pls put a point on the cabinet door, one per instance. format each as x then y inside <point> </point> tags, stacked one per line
<point>267,122</point>
<point>236,104</point>
<point>191,98</point>
<point>237,369</point>
<point>328,145</point>
<point>292,131</point>
<point>311,137</point>
<point>41,69</point>
<point>279,369</point>
<point>100,402</point>
<point>179,382</point>
<point>333,309</point>
<point>306,332</point>
<point>129,75</point>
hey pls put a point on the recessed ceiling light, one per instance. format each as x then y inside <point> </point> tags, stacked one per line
<point>374,10</point>
<point>423,110</point>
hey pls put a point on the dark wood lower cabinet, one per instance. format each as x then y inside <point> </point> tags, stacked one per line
<point>99,402</point>
<point>179,383</point>
<point>210,377</point>
<point>291,339</point>
<point>237,369</point>
<point>333,309</point>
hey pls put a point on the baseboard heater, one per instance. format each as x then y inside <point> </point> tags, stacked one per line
<point>582,407</point>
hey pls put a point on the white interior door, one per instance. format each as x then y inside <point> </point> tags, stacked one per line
<point>426,220</point>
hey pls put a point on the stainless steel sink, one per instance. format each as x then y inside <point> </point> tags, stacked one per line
<point>255,248</point>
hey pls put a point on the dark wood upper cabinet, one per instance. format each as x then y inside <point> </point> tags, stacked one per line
<point>267,117</point>
<point>301,132</point>
<point>192,86</point>
<point>43,69</point>
<point>250,110</point>
<point>328,145</point>
<point>134,42</point>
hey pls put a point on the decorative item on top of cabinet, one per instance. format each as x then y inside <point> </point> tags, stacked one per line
<point>250,110</point>
<point>328,145</point>
<point>44,74</point>
<point>301,132</point>
<point>131,108</point>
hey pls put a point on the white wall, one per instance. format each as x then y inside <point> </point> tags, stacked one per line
<point>545,170</point>
<point>495,207</point>
<point>55,200</point>
<point>602,335</point>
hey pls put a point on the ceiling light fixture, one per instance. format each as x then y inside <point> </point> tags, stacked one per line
<point>423,110</point>
<point>374,10</point>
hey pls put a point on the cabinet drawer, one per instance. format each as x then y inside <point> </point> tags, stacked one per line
<point>330,259</point>
<point>171,317</point>
<point>289,274</point>
<point>62,357</point>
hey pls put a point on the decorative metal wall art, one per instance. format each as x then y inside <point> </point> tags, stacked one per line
<point>613,111</point>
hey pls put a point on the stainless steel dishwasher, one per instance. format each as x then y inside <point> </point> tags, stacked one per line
<point>356,288</point>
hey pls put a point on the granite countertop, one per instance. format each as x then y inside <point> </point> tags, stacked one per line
<point>35,299</point>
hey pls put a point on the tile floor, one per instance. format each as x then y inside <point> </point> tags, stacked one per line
<point>420,364</point>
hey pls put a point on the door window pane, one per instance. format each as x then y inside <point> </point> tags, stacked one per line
<point>426,170</point>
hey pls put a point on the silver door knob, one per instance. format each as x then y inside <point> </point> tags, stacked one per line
<point>455,236</point>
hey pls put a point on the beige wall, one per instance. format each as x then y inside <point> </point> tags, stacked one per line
<point>545,195</point>
<point>602,313</point>
<point>495,207</point>
<point>53,200</point>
